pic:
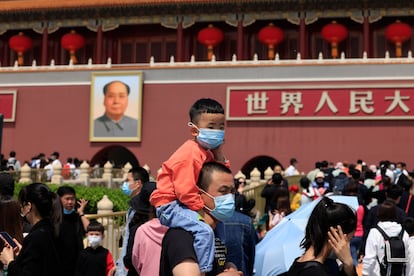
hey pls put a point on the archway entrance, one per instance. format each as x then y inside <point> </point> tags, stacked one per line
<point>117,155</point>
<point>261,162</point>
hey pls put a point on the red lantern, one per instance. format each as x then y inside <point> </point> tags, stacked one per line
<point>398,32</point>
<point>20,43</point>
<point>72,42</point>
<point>334,33</point>
<point>271,36</point>
<point>210,36</point>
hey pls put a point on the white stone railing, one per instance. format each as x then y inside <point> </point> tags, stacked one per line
<point>110,178</point>
<point>321,60</point>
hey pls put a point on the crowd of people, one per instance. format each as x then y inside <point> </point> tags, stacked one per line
<point>385,210</point>
<point>45,164</point>
<point>47,232</point>
<point>195,220</point>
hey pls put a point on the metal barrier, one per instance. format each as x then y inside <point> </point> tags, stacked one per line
<point>114,224</point>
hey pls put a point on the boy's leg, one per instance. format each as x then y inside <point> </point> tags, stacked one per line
<point>178,215</point>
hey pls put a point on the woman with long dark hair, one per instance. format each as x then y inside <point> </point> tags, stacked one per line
<point>38,254</point>
<point>10,221</point>
<point>329,230</point>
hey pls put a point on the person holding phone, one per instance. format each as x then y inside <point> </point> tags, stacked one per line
<point>10,222</point>
<point>329,230</point>
<point>38,255</point>
<point>74,224</point>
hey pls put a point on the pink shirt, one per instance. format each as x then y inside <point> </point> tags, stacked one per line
<point>146,252</point>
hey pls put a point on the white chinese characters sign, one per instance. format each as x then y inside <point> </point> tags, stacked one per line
<point>326,103</point>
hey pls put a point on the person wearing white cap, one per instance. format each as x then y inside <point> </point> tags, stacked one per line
<point>319,185</point>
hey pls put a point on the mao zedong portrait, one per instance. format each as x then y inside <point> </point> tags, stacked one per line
<point>114,123</point>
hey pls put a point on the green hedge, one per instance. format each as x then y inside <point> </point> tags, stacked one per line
<point>93,195</point>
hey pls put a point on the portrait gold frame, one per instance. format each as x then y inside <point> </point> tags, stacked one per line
<point>133,110</point>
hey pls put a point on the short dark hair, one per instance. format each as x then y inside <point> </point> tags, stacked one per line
<point>12,153</point>
<point>207,170</point>
<point>352,188</point>
<point>304,182</point>
<point>139,173</point>
<point>65,190</point>
<point>293,161</point>
<point>95,226</point>
<point>6,184</point>
<point>277,178</point>
<point>387,211</point>
<point>394,191</point>
<point>409,225</point>
<point>327,213</point>
<point>105,88</point>
<point>205,105</point>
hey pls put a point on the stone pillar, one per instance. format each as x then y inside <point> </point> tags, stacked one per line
<point>107,175</point>
<point>84,173</point>
<point>57,177</point>
<point>268,173</point>
<point>240,174</point>
<point>126,169</point>
<point>255,177</point>
<point>105,205</point>
<point>25,173</point>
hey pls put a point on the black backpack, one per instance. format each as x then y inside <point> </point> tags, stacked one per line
<point>339,183</point>
<point>395,259</point>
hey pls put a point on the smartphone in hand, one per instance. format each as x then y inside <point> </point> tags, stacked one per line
<point>7,238</point>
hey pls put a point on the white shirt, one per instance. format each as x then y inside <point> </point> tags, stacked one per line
<point>410,250</point>
<point>375,246</point>
<point>291,170</point>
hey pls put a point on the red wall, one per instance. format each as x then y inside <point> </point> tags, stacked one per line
<point>57,118</point>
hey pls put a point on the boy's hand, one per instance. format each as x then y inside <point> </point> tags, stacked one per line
<point>218,154</point>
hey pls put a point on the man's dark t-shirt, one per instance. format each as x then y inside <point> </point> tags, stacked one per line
<point>177,246</point>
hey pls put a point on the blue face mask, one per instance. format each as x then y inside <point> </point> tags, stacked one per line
<point>224,206</point>
<point>209,138</point>
<point>68,212</point>
<point>125,188</point>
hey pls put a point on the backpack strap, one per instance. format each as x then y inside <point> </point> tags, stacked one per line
<point>401,233</point>
<point>386,237</point>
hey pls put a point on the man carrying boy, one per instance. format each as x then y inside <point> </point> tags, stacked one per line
<point>95,260</point>
<point>177,197</point>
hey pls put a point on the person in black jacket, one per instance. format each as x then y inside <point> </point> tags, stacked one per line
<point>95,260</point>
<point>73,229</point>
<point>38,256</point>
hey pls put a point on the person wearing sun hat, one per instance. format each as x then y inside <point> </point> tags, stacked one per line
<point>320,186</point>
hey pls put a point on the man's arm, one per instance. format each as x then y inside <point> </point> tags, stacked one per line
<point>187,267</point>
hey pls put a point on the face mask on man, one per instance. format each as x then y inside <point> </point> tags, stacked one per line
<point>68,212</point>
<point>125,188</point>
<point>94,241</point>
<point>224,206</point>
<point>209,138</point>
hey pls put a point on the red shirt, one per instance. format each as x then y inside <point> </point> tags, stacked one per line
<point>179,175</point>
